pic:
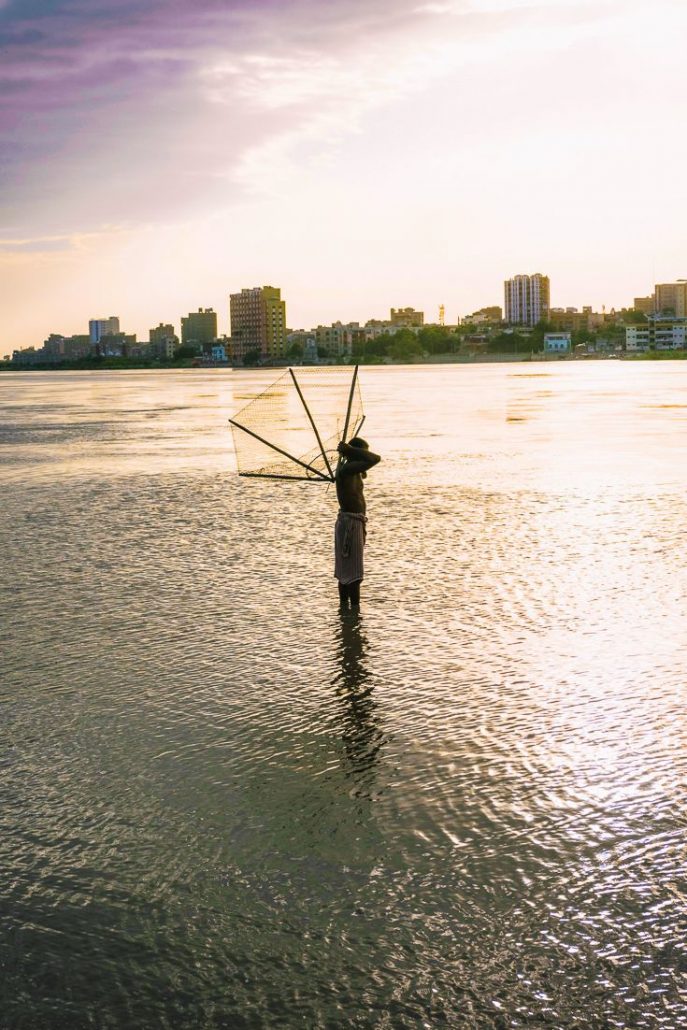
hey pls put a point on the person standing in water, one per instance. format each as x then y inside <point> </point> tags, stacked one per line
<point>350,529</point>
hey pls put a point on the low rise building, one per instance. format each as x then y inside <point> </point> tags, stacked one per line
<point>645,304</point>
<point>657,334</point>
<point>302,343</point>
<point>407,318</point>
<point>338,339</point>
<point>571,320</point>
<point>374,327</point>
<point>199,327</point>
<point>485,316</point>
<point>163,342</point>
<point>557,343</point>
<point>76,347</point>
<point>118,345</point>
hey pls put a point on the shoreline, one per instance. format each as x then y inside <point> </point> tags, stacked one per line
<point>123,365</point>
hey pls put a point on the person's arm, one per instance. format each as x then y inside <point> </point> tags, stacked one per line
<point>358,459</point>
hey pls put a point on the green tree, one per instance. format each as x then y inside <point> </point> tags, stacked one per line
<point>187,350</point>
<point>251,358</point>
<point>512,343</point>
<point>404,346</point>
<point>631,316</point>
<point>379,346</point>
<point>436,340</point>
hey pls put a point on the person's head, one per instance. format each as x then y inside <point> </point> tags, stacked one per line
<point>357,441</point>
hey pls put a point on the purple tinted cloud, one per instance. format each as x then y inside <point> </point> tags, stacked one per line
<point>103,111</point>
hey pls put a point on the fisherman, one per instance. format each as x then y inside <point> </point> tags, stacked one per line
<point>350,529</point>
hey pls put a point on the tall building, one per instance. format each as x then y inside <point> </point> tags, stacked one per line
<point>258,323</point>
<point>199,326</point>
<point>527,299</point>
<point>99,327</point>
<point>671,297</point>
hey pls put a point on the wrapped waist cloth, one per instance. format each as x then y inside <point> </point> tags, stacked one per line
<point>349,540</point>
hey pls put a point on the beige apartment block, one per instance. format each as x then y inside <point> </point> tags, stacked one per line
<point>258,323</point>
<point>647,305</point>
<point>407,318</point>
<point>671,297</point>
<point>573,321</point>
<point>199,326</point>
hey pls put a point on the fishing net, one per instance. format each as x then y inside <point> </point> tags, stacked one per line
<point>291,430</point>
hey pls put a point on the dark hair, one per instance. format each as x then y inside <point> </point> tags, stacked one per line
<point>358,441</point>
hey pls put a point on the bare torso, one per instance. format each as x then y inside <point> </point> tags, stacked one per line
<point>349,490</point>
<point>350,474</point>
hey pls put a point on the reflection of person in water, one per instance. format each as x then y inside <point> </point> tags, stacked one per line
<point>362,736</point>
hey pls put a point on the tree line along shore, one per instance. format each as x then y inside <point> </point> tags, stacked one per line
<point>431,345</point>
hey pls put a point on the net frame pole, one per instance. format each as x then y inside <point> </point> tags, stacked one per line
<point>312,423</point>
<point>348,411</point>
<point>286,454</point>
<point>275,475</point>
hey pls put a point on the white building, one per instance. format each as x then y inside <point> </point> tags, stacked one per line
<point>527,299</point>
<point>557,343</point>
<point>657,335</point>
<point>98,327</point>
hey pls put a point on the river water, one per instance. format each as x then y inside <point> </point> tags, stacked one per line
<point>222,804</point>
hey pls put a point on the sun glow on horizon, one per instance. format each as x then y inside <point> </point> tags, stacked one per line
<point>359,160</point>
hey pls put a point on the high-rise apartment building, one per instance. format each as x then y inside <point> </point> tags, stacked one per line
<point>671,298</point>
<point>199,327</point>
<point>527,299</point>
<point>99,327</point>
<point>258,323</point>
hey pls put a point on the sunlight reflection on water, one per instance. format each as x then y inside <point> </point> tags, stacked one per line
<point>223,805</point>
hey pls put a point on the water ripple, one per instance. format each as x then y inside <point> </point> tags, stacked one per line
<point>224,804</point>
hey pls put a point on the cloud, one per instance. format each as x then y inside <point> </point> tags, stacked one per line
<point>42,245</point>
<point>148,110</point>
<point>129,109</point>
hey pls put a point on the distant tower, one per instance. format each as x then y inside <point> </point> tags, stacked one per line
<point>442,313</point>
<point>527,299</point>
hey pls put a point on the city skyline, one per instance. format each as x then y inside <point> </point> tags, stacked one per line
<point>360,155</point>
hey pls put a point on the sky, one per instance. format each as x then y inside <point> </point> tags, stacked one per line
<point>158,155</point>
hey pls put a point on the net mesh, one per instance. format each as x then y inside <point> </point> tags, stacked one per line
<point>279,416</point>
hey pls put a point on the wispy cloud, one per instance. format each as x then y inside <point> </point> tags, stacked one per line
<point>112,109</point>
